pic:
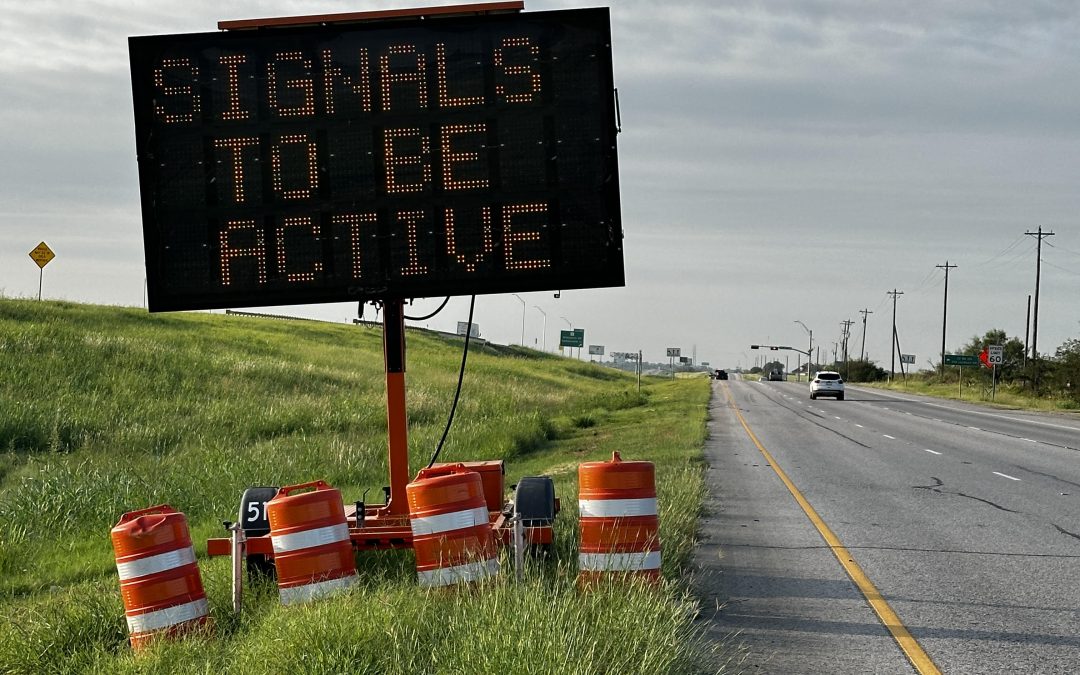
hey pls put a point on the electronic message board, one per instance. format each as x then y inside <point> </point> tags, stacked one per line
<point>381,160</point>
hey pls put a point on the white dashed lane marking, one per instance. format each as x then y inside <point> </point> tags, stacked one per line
<point>932,452</point>
<point>1005,475</point>
<point>893,438</point>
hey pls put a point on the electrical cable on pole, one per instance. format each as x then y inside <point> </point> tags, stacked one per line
<point>944,311</point>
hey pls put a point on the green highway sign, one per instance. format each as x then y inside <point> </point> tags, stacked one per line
<point>961,359</point>
<point>572,338</point>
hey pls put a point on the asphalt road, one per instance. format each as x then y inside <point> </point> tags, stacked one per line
<point>965,518</point>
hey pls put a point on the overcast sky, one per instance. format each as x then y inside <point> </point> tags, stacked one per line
<point>779,161</point>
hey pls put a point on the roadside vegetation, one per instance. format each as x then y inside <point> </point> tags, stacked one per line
<point>1053,383</point>
<point>105,410</point>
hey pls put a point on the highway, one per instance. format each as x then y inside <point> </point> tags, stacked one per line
<point>965,518</point>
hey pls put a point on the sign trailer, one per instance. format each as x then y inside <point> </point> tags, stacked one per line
<point>378,157</point>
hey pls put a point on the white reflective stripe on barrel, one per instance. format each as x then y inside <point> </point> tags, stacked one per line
<point>619,562</point>
<point>283,543</point>
<point>452,575</point>
<point>446,522</point>
<point>170,616</point>
<point>155,563</point>
<point>315,590</point>
<point>616,508</point>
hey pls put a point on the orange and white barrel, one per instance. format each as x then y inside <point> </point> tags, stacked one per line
<point>451,528</point>
<point>619,524</point>
<point>313,552</point>
<point>159,579</point>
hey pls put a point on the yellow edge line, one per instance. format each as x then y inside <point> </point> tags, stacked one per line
<point>908,644</point>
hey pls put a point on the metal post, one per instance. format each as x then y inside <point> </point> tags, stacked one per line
<point>639,372</point>
<point>519,544</point>
<point>41,273</point>
<point>396,420</point>
<point>993,389</point>
<point>239,551</point>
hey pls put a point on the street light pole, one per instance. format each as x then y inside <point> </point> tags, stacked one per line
<point>545,325</point>
<point>809,349</point>
<point>571,328</point>
<point>522,317</point>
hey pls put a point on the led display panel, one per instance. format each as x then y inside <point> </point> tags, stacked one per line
<point>381,160</point>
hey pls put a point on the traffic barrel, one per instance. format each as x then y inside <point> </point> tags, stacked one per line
<point>159,579</point>
<point>619,525</point>
<point>313,552</point>
<point>451,529</point>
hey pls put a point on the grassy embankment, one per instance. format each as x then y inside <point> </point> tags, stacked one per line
<point>104,410</point>
<point>976,390</point>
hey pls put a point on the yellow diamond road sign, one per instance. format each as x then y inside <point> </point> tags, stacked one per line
<point>42,254</point>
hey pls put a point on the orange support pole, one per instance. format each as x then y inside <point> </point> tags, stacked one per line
<point>396,419</point>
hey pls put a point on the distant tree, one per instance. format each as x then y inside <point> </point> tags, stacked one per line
<point>1066,369</point>
<point>863,371</point>
<point>1013,365</point>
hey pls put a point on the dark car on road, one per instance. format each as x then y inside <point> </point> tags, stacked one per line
<point>721,374</point>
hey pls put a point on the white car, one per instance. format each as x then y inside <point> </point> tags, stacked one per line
<point>827,383</point>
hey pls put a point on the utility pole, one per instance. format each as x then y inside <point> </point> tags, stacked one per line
<point>1027,331</point>
<point>892,368</point>
<point>1035,322</point>
<point>809,349</point>
<point>862,350</point>
<point>847,333</point>
<point>944,312</point>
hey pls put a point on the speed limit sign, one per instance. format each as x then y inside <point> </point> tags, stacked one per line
<point>996,354</point>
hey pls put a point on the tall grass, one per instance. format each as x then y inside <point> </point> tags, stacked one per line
<point>977,388</point>
<point>106,409</point>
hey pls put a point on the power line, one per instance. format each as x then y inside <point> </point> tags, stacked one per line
<point>1008,248</point>
<point>1061,248</point>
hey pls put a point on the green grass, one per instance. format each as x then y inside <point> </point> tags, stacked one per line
<point>977,390</point>
<point>105,410</point>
